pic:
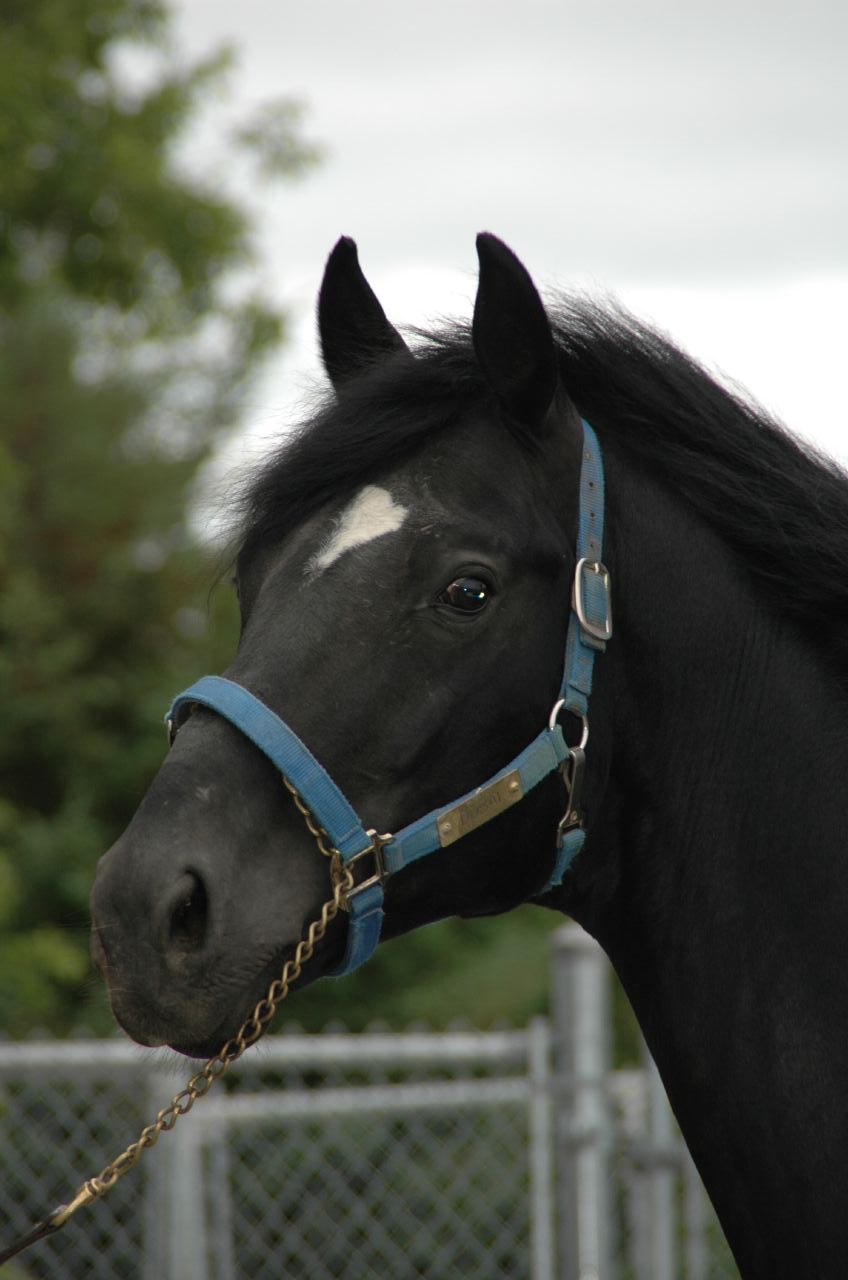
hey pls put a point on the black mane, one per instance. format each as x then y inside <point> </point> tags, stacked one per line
<point>780,506</point>
<point>777,502</point>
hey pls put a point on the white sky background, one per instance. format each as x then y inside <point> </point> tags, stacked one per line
<point>689,158</point>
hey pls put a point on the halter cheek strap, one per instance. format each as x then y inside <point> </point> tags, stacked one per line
<point>590,628</point>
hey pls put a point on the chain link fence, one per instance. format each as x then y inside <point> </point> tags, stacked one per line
<point>436,1155</point>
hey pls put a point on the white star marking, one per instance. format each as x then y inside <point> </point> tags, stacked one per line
<point>372,514</point>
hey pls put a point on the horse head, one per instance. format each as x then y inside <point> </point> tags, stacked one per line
<point>404,580</point>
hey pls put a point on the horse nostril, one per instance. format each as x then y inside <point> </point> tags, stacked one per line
<point>190,916</point>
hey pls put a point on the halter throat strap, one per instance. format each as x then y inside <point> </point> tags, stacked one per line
<point>589,630</point>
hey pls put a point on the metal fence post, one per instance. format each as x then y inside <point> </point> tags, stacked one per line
<point>187,1236</point>
<point>157,1188</point>
<point>581,1019</point>
<point>221,1225</point>
<point>542,1181</point>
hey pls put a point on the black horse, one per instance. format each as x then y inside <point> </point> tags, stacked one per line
<point>406,578</point>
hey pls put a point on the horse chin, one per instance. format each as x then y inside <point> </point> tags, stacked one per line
<point>202,1050</point>
<point>191,1037</point>
<point>201,1030</point>
<point>191,1022</point>
<point>196,1029</point>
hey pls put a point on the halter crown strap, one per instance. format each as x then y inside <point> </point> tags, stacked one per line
<point>588,631</point>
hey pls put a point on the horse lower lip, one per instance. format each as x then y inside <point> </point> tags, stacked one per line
<point>154,1030</point>
<point>205,1050</point>
<point>137,1030</point>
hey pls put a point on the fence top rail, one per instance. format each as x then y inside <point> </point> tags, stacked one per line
<point>241,1109</point>
<point>323,1049</point>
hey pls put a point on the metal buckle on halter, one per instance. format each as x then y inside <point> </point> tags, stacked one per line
<point>598,631</point>
<point>174,723</point>
<point>379,876</point>
<point>573,770</point>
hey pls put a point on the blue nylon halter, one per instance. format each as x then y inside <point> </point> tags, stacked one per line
<point>589,629</point>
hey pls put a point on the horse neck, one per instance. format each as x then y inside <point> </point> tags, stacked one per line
<point>721,895</point>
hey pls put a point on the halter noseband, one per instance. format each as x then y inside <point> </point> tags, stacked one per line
<point>589,629</point>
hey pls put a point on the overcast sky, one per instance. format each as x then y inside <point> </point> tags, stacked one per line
<point>688,157</point>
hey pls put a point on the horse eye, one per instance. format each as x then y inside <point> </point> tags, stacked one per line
<point>468,595</point>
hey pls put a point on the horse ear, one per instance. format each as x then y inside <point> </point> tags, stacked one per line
<point>352,324</point>
<point>512,335</point>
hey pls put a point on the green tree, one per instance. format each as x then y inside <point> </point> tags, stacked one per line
<point>125,350</point>
<point>123,356</point>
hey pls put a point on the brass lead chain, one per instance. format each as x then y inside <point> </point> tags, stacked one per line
<point>318,834</point>
<point>200,1083</point>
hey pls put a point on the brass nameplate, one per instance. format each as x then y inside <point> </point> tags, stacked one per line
<point>487,802</point>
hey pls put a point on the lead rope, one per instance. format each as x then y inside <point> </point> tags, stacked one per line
<point>200,1083</point>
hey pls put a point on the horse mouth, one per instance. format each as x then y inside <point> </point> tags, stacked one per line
<point>198,1016</point>
<point>183,1016</point>
<point>176,1028</point>
<point>237,1022</point>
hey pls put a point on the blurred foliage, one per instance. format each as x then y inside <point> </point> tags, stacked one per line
<point>124,353</point>
<point>103,612</point>
<point>90,196</point>
<point>125,349</point>
<point>486,971</point>
<point>483,970</point>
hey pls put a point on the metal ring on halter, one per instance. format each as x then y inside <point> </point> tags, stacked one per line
<point>554,716</point>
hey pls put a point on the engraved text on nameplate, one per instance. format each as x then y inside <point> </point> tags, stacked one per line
<point>486,803</point>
